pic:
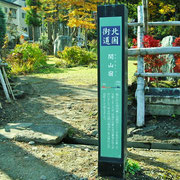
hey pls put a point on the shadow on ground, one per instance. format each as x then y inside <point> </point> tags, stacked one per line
<point>16,163</point>
<point>50,101</point>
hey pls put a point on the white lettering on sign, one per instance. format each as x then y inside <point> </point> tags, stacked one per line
<point>106,31</point>
<point>115,31</point>
<point>111,56</point>
<point>106,40</point>
<point>110,65</point>
<point>110,73</point>
<point>113,35</point>
<point>115,40</point>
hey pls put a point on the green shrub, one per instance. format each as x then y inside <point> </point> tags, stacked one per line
<point>44,44</point>
<point>130,43</point>
<point>93,46</point>
<point>75,56</point>
<point>61,63</point>
<point>132,167</point>
<point>26,58</point>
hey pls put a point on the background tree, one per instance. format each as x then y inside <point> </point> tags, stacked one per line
<point>2,28</point>
<point>160,10</point>
<point>33,17</point>
<point>72,13</point>
<point>52,14</point>
<point>12,30</point>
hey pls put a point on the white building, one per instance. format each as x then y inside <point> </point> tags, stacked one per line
<point>17,14</point>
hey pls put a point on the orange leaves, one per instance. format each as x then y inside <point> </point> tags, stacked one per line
<point>177,56</point>
<point>153,63</point>
<point>177,67</point>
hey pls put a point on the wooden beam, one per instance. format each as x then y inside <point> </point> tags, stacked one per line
<point>151,51</point>
<point>157,74</point>
<point>160,23</point>
<point>135,24</point>
<point>164,23</point>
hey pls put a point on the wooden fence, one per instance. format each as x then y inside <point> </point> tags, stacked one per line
<point>140,51</point>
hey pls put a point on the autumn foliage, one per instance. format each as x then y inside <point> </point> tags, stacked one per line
<point>76,13</point>
<point>153,63</point>
<point>177,56</point>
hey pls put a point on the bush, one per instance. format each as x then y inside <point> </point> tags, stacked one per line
<point>93,46</point>
<point>44,44</point>
<point>75,56</point>
<point>61,63</point>
<point>26,58</point>
<point>177,56</point>
<point>153,63</point>
<point>130,43</point>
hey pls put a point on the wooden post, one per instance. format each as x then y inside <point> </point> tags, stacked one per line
<point>7,83</point>
<point>140,81</point>
<point>145,8</point>
<point>4,87</point>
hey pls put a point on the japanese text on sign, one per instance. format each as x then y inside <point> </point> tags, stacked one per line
<point>110,35</point>
<point>112,65</point>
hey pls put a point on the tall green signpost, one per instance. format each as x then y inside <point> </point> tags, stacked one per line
<point>112,89</point>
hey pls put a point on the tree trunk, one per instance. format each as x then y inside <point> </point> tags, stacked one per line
<point>55,30</point>
<point>50,37</point>
<point>85,40</point>
<point>36,33</point>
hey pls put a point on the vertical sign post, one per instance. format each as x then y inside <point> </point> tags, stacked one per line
<point>112,89</point>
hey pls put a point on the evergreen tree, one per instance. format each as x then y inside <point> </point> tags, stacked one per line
<point>2,27</point>
<point>33,18</point>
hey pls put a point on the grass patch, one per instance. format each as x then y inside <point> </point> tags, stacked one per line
<point>50,68</point>
<point>131,69</point>
<point>78,75</point>
<point>81,76</point>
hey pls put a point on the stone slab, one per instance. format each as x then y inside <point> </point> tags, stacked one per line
<point>40,133</point>
<point>162,110</point>
<point>167,100</point>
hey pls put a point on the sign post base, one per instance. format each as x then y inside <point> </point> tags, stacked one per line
<point>110,169</point>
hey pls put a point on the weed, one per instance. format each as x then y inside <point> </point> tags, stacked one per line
<point>132,167</point>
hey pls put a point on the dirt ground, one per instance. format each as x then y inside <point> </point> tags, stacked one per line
<point>54,100</point>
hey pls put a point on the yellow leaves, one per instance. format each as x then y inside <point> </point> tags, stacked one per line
<point>172,18</point>
<point>83,23</point>
<point>90,7</point>
<point>26,8</point>
<point>167,9</point>
<point>160,7</point>
<point>51,19</point>
<point>78,13</point>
